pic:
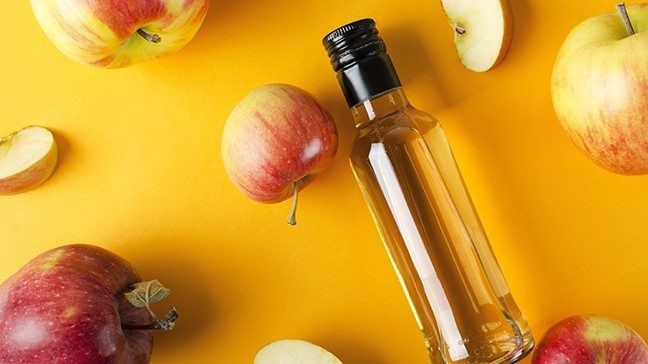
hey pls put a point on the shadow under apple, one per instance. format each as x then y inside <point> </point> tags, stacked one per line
<point>64,152</point>
<point>190,294</point>
<point>523,28</point>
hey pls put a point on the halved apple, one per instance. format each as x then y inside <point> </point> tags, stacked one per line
<point>294,352</point>
<point>27,158</point>
<point>483,30</point>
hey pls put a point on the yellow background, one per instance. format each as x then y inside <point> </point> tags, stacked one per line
<point>141,174</point>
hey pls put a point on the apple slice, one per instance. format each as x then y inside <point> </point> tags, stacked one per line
<point>27,158</point>
<point>294,352</point>
<point>483,31</point>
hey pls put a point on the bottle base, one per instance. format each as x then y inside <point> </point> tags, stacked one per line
<point>517,354</point>
<point>526,349</point>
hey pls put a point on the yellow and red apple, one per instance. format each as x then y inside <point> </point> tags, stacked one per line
<point>27,159</point>
<point>591,339</point>
<point>117,33</point>
<point>600,90</point>
<point>275,141</point>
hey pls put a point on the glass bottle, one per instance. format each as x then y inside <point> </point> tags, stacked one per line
<point>426,219</point>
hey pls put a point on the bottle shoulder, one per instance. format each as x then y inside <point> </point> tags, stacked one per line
<point>396,128</point>
<point>408,117</point>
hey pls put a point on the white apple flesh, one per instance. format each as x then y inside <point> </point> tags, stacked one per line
<point>294,352</point>
<point>600,90</point>
<point>114,34</point>
<point>483,30</point>
<point>27,159</point>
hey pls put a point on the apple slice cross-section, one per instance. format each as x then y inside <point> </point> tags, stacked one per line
<point>294,352</point>
<point>27,158</point>
<point>483,30</point>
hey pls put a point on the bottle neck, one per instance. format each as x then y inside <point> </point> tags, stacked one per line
<point>367,77</point>
<point>379,106</point>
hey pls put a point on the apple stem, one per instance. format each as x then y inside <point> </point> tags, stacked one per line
<point>151,37</point>
<point>159,325</point>
<point>142,294</point>
<point>293,209</point>
<point>621,8</point>
<point>460,30</point>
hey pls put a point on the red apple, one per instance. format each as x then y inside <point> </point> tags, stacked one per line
<point>591,339</point>
<point>68,305</point>
<point>600,89</point>
<point>275,141</point>
<point>111,33</point>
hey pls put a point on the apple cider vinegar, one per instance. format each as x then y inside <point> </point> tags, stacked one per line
<point>423,212</point>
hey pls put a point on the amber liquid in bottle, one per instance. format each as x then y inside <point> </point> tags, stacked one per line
<point>426,219</point>
<point>407,173</point>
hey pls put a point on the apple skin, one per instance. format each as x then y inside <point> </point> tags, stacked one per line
<point>104,32</point>
<point>276,138</point>
<point>509,27</point>
<point>67,306</point>
<point>600,90</point>
<point>32,177</point>
<point>590,339</point>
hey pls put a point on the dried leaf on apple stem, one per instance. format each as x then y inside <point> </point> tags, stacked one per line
<point>142,294</point>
